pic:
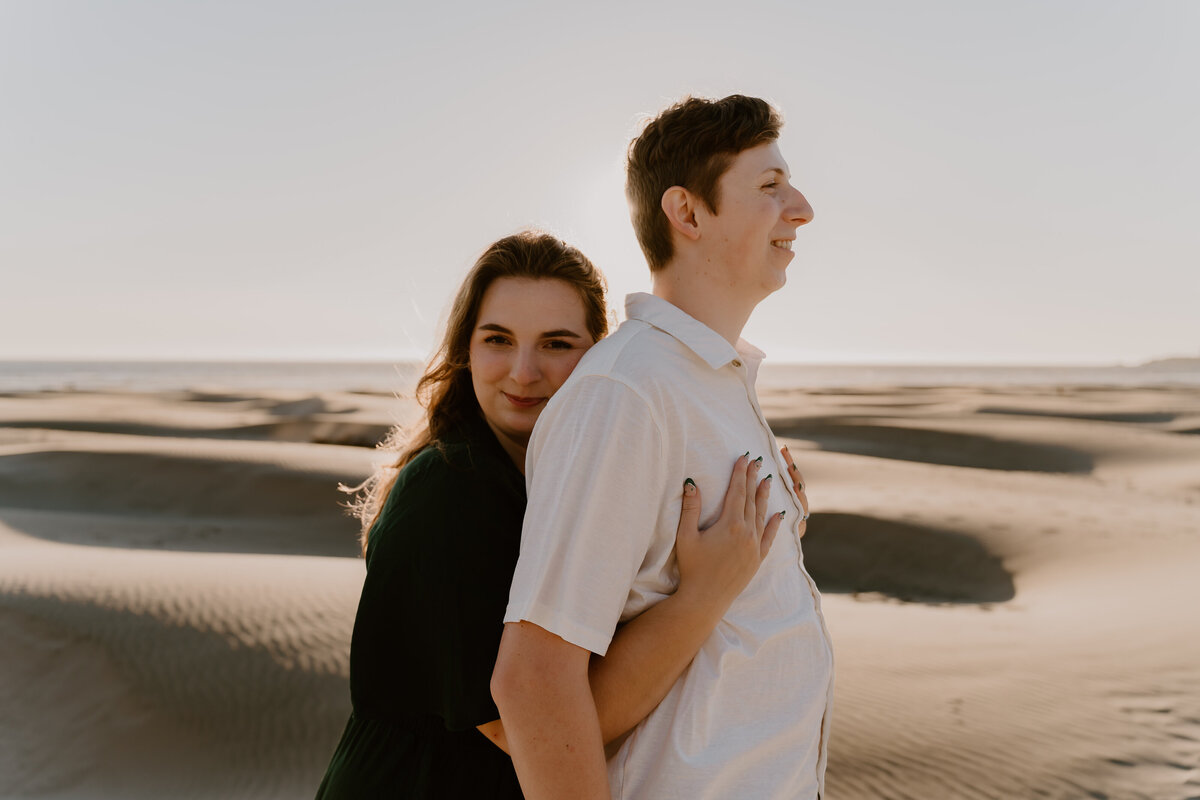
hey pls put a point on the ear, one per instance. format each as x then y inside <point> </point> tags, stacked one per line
<point>680,207</point>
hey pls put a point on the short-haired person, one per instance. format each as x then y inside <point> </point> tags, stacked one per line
<point>671,396</point>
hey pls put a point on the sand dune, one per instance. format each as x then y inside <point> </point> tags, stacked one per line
<point>1082,683</point>
<point>144,674</point>
<point>357,419</point>
<point>1009,578</point>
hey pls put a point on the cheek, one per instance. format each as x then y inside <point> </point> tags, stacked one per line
<point>486,368</point>
<point>557,372</point>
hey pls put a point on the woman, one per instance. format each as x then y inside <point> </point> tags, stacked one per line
<point>442,532</point>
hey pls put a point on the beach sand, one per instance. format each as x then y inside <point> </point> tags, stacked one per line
<point>1010,578</point>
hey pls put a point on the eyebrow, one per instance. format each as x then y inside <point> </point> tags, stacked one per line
<point>561,333</point>
<point>779,171</point>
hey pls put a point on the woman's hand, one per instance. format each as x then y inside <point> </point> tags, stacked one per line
<point>652,650</point>
<point>716,564</point>
<point>798,486</point>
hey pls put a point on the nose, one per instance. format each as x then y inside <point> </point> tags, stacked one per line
<point>525,367</point>
<point>798,211</point>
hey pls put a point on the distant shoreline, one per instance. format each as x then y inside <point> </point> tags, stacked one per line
<point>1187,361</point>
<point>400,376</point>
<point>1181,362</point>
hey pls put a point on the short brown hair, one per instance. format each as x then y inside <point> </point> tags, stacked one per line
<point>691,144</point>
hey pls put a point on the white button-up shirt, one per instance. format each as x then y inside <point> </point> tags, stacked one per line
<point>663,399</point>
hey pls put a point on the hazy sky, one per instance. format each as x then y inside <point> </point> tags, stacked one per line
<point>1012,181</point>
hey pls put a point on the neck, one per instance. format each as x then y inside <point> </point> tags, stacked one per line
<point>515,449</point>
<point>706,294</point>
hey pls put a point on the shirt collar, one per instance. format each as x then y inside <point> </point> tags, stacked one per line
<point>689,331</point>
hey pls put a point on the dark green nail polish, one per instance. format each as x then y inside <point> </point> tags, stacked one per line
<point>690,482</point>
<point>758,461</point>
<point>782,514</point>
<point>745,454</point>
<point>769,474</point>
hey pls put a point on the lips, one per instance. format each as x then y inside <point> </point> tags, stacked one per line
<point>523,402</point>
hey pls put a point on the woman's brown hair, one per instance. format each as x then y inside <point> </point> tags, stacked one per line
<point>445,390</point>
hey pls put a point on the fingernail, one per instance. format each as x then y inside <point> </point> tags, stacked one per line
<point>758,461</point>
<point>746,454</point>
<point>783,514</point>
<point>689,486</point>
<point>768,477</point>
<point>801,485</point>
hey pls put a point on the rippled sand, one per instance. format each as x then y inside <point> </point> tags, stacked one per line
<point>1010,577</point>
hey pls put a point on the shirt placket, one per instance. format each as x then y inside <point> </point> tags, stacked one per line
<point>794,527</point>
<point>797,509</point>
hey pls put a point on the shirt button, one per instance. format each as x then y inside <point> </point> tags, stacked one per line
<point>737,362</point>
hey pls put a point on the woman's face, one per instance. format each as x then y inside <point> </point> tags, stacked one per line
<point>529,335</point>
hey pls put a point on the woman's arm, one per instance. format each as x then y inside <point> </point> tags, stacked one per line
<point>652,650</point>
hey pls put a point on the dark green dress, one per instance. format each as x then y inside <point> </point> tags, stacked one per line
<point>440,560</point>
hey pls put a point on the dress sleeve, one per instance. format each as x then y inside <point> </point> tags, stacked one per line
<point>597,483</point>
<point>439,565</point>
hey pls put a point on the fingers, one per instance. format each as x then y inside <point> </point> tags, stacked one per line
<point>749,496</point>
<point>793,470</point>
<point>735,495</point>
<point>689,514</point>
<point>751,490</point>
<point>797,479</point>
<point>769,534</point>
<point>798,484</point>
<point>761,499</point>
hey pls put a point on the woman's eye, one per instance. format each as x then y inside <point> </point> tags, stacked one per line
<point>771,185</point>
<point>558,344</point>
<point>496,338</point>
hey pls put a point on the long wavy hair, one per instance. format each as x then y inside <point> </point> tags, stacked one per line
<point>444,390</point>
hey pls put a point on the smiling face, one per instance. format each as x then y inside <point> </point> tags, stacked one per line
<point>528,337</point>
<point>759,211</point>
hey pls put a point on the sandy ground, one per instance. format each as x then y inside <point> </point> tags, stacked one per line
<point>1011,579</point>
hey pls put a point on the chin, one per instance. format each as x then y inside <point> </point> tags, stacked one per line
<point>519,429</point>
<point>776,282</point>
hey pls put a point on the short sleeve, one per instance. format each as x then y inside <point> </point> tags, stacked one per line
<point>596,481</point>
<point>438,571</point>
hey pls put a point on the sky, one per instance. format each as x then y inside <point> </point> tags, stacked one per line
<point>1009,182</point>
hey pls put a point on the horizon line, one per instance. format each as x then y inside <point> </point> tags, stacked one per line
<point>381,361</point>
